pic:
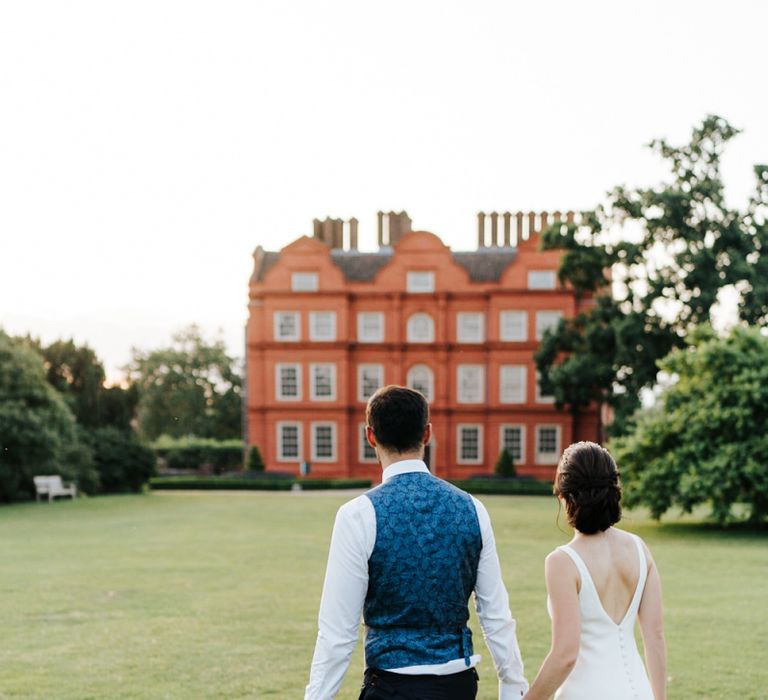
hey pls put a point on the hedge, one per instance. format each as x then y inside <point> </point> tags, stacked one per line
<point>505,487</point>
<point>194,453</point>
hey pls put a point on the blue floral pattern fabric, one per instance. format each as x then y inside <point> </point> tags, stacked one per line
<point>422,572</point>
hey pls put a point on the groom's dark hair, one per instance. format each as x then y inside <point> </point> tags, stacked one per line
<point>398,416</point>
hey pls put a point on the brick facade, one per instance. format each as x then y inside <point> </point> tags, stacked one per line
<point>327,325</point>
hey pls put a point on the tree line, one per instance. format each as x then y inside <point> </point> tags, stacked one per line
<point>58,416</point>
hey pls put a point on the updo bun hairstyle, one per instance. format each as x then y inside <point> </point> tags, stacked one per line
<point>588,482</point>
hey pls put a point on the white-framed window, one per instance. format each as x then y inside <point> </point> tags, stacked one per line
<point>322,325</point>
<point>420,329</point>
<point>513,326</point>
<point>542,398</point>
<point>470,327</point>
<point>324,442</point>
<point>288,382</point>
<point>304,282</point>
<point>512,384</point>
<point>370,326</point>
<point>421,378</point>
<point>546,320</point>
<point>287,325</point>
<point>369,378</point>
<point>367,453</point>
<point>548,439</point>
<point>542,279</point>
<point>512,439</point>
<point>469,447</point>
<point>322,382</point>
<point>289,441</point>
<point>420,282</point>
<point>470,383</point>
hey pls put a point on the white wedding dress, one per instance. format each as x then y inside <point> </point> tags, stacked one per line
<point>609,666</point>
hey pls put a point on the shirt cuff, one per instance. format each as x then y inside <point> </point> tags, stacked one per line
<point>512,691</point>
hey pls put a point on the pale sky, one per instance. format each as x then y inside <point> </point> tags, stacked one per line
<point>146,148</point>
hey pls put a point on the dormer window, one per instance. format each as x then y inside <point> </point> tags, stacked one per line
<point>420,282</point>
<point>542,279</point>
<point>304,281</point>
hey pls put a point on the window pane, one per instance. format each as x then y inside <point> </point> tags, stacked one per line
<point>370,326</point>
<point>289,381</point>
<point>370,380</point>
<point>512,441</point>
<point>420,282</point>
<point>324,442</point>
<point>420,379</point>
<point>304,281</point>
<point>286,325</point>
<point>470,327</point>
<point>322,325</point>
<point>548,441</point>
<point>546,320</point>
<point>471,383</point>
<point>542,279</point>
<point>289,441</point>
<point>512,380</point>
<point>367,452</point>
<point>514,325</point>
<point>421,329</point>
<point>323,377</point>
<point>470,443</point>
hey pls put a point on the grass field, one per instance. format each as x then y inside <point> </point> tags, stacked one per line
<point>215,595</point>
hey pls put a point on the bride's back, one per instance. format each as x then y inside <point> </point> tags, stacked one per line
<point>614,566</point>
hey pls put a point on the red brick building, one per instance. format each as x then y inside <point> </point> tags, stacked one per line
<point>329,324</point>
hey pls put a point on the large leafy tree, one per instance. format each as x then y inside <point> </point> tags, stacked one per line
<point>38,433</point>
<point>705,440</point>
<point>76,372</point>
<point>192,387</point>
<point>653,287</point>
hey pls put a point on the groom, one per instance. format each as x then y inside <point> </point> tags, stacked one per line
<point>406,556</point>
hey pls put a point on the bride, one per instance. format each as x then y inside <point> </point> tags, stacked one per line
<point>598,585</point>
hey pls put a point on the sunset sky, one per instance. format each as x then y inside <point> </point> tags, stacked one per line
<point>146,148</point>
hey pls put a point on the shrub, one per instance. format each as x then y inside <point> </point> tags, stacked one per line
<point>123,463</point>
<point>505,466</point>
<point>255,461</point>
<point>508,487</point>
<point>200,453</point>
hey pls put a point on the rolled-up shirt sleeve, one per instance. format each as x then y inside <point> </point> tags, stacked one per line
<point>344,590</point>
<point>496,621</point>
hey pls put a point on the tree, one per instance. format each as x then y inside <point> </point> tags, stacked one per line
<point>78,374</point>
<point>690,246</point>
<point>505,465</point>
<point>705,441</point>
<point>192,387</point>
<point>38,432</point>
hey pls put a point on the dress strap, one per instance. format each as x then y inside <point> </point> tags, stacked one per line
<point>578,561</point>
<point>643,574</point>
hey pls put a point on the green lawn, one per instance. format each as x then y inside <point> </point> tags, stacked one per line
<point>215,595</point>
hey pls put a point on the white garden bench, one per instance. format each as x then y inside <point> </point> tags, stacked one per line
<point>53,486</point>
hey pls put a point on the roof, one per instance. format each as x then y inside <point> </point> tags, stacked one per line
<point>360,267</point>
<point>483,265</point>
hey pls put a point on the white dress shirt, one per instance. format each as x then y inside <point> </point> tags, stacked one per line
<point>346,585</point>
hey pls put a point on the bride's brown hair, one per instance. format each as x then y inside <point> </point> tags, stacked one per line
<point>588,481</point>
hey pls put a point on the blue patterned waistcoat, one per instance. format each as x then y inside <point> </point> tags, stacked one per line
<point>421,573</point>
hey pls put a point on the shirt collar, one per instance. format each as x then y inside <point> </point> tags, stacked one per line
<point>405,466</point>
